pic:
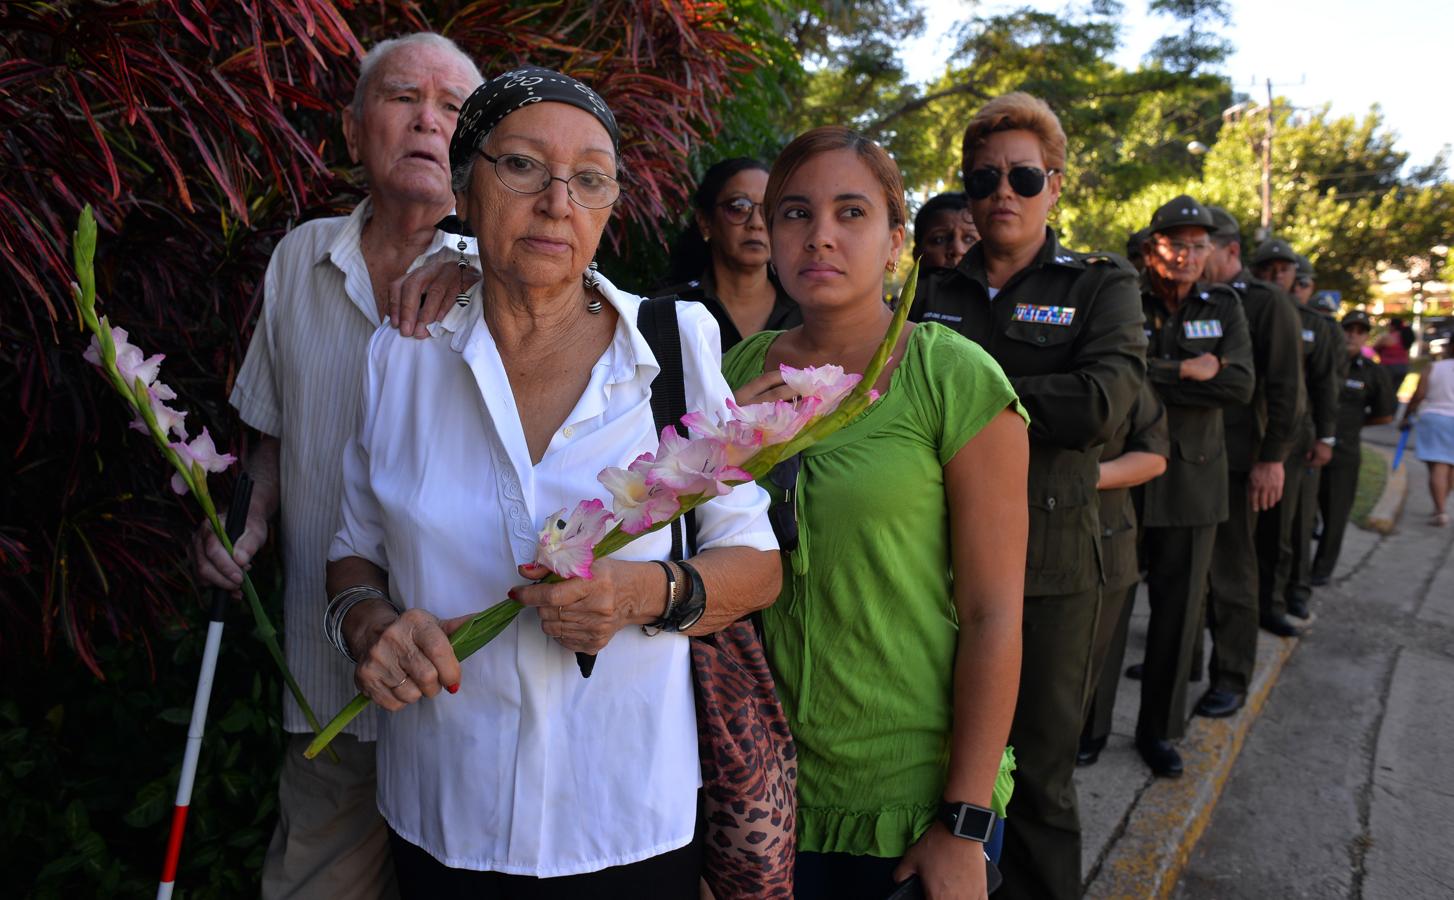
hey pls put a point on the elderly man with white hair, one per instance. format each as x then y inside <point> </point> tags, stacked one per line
<point>325,293</point>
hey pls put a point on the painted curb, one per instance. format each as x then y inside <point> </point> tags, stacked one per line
<point>1383,518</point>
<point>1170,815</point>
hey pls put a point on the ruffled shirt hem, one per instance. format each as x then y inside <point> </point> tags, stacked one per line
<point>886,833</point>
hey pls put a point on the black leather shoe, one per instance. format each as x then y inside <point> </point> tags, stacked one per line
<point>1161,756</point>
<point>1297,606</point>
<point>1280,626</point>
<point>1090,751</point>
<point>1218,704</point>
<point>1321,580</point>
<point>1134,672</point>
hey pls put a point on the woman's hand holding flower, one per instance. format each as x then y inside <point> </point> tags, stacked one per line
<point>583,614</point>
<point>401,658</point>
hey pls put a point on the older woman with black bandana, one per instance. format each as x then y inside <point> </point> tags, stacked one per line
<point>531,781</point>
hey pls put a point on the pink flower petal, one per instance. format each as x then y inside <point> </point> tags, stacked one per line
<point>830,384</point>
<point>567,545</point>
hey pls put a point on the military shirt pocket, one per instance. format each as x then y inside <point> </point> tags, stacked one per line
<point>1059,536</point>
<point>1198,453</point>
<point>1041,334</point>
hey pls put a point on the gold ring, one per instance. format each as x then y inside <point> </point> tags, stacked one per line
<point>394,687</point>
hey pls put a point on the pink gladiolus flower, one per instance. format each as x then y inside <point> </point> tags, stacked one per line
<point>202,452</point>
<point>130,361</point>
<point>693,467</point>
<point>830,384</point>
<point>567,545</point>
<point>638,505</point>
<point>168,420</point>
<point>779,421</point>
<point>740,439</point>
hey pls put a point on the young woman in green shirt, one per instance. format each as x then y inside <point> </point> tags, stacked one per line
<point>896,641</point>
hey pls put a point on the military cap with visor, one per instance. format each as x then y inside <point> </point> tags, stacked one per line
<point>1224,225</point>
<point>1356,318</point>
<point>1180,212</point>
<point>1274,248</point>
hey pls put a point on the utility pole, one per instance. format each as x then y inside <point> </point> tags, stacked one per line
<point>1265,231</point>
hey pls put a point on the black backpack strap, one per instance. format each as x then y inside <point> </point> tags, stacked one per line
<point>657,321</point>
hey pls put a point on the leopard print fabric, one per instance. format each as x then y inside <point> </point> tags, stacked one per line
<point>749,768</point>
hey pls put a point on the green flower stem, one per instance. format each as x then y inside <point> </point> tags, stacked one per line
<point>483,628</point>
<point>84,254</point>
<point>468,638</point>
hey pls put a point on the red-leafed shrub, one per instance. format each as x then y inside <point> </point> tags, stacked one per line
<point>200,131</point>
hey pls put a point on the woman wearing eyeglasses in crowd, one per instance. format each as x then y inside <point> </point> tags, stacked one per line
<point>944,230</point>
<point>721,258</point>
<point>1066,328</point>
<point>532,781</point>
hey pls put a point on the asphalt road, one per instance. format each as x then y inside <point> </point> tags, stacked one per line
<point>1345,786</point>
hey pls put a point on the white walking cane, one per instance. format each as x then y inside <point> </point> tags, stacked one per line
<point>236,521</point>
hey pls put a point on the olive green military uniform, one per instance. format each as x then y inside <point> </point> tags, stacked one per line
<point>1264,431</point>
<point>1367,394</point>
<point>1278,527</point>
<point>1143,431</point>
<point>1067,332</point>
<point>1184,506</point>
<point>1299,580</point>
<point>785,312</point>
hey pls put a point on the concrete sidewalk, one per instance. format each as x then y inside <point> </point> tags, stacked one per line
<point>1139,831</point>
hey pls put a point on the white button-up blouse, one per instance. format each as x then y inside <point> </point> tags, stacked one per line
<point>530,769</point>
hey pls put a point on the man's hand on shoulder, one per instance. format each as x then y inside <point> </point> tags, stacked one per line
<point>425,295</point>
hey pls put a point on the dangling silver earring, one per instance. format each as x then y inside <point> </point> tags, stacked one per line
<point>462,298</point>
<point>593,283</point>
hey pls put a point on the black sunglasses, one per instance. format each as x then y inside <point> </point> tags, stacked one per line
<point>783,514</point>
<point>1027,181</point>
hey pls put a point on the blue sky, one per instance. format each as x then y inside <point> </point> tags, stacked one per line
<point>1396,53</point>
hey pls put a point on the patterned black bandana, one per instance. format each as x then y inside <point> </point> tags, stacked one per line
<point>503,94</point>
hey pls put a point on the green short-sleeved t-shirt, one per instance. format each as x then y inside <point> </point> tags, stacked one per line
<point>862,639</point>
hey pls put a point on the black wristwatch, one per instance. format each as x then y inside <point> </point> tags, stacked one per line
<point>689,609</point>
<point>965,820</point>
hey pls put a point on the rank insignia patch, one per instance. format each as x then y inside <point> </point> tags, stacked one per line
<point>1047,315</point>
<point>1203,328</point>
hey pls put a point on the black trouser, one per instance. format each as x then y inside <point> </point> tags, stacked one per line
<point>1232,607</point>
<point>1177,562</point>
<point>1042,825</point>
<point>1300,566</point>
<point>1336,490</point>
<point>843,876</point>
<point>674,875</point>
<point>1110,653</point>
<point>1274,540</point>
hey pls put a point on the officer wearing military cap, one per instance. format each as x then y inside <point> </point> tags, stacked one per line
<point>1275,261</point>
<point>1302,281</point>
<point>1299,590</point>
<point>1367,398</point>
<point>1283,529</point>
<point>1066,328</point>
<point>1260,436</point>
<point>1199,359</point>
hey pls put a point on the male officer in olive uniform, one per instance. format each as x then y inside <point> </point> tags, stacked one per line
<point>1067,332</point>
<point>1280,529</point>
<point>1199,360</point>
<point>1259,438</point>
<point>1367,398</point>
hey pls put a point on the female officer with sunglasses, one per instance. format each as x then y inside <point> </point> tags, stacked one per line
<point>1067,329</point>
<point>721,258</point>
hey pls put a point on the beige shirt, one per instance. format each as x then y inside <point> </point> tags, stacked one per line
<point>300,382</point>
